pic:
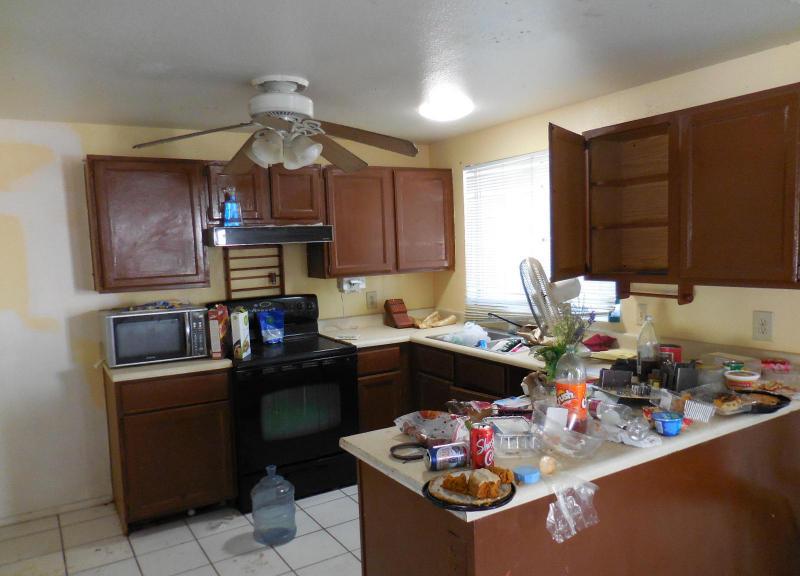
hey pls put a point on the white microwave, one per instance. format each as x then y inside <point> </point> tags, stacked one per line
<point>133,337</point>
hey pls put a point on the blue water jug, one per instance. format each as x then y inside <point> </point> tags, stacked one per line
<point>273,509</point>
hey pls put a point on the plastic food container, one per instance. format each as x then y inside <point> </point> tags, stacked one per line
<point>512,436</point>
<point>554,436</point>
<point>668,423</point>
<point>741,379</point>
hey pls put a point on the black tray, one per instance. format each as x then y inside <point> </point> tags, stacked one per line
<point>764,408</point>
<point>467,507</point>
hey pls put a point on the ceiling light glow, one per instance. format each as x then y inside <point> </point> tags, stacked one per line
<point>445,104</point>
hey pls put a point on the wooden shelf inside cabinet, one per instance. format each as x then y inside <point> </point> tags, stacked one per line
<point>634,181</point>
<point>632,225</point>
<point>630,250</point>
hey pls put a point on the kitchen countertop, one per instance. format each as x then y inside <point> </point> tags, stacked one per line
<point>369,336</point>
<point>373,449</point>
<point>166,369</point>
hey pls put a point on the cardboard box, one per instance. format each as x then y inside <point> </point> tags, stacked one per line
<point>240,335</point>
<point>218,326</point>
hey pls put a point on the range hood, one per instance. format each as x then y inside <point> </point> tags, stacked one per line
<point>229,236</point>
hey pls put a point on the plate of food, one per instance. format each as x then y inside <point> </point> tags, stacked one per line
<point>471,490</point>
<point>765,402</point>
<point>756,402</point>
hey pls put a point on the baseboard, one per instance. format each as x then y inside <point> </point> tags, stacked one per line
<point>52,511</point>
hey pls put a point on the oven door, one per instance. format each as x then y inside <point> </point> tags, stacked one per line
<point>146,338</point>
<point>294,413</point>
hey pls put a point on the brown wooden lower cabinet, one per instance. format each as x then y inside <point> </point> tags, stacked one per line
<point>441,375</point>
<point>383,389</point>
<point>432,392</point>
<point>726,506</point>
<point>171,444</point>
<point>379,400</point>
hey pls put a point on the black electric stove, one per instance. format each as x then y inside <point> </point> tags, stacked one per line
<point>293,401</point>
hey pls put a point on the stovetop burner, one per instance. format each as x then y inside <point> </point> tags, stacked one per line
<point>301,343</point>
<point>294,349</point>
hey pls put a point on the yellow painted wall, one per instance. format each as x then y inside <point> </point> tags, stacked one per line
<point>722,315</point>
<point>53,444</point>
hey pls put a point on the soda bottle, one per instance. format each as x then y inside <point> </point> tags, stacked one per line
<point>273,509</point>
<point>571,389</point>
<point>647,352</point>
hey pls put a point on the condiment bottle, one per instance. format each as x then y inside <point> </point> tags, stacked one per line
<point>647,350</point>
<point>571,389</point>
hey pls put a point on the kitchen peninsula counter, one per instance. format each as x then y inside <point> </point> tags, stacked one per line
<point>722,498</point>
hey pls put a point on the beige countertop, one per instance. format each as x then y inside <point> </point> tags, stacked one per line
<point>380,335</point>
<point>166,369</point>
<point>373,449</point>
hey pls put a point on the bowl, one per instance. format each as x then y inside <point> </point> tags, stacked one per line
<point>555,437</point>
<point>741,379</point>
<point>668,423</point>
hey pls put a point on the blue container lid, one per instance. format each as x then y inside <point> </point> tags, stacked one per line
<point>526,474</point>
<point>666,416</point>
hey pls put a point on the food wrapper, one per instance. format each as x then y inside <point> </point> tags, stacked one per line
<point>475,410</point>
<point>432,427</point>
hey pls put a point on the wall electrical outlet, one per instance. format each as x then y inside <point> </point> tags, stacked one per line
<point>372,300</point>
<point>762,325</point>
<point>641,312</point>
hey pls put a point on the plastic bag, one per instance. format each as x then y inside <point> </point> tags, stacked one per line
<point>573,509</point>
<point>469,336</point>
<point>271,324</point>
<point>431,427</point>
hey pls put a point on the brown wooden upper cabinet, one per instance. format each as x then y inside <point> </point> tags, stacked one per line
<point>423,204</point>
<point>252,191</point>
<point>296,195</point>
<point>740,194</point>
<point>386,221</point>
<point>274,196</point>
<point>361,211</point>
<point>145,220</point>
<point>613,202</point>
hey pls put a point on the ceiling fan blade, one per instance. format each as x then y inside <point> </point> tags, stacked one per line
<point>338,155</point>
<point>193,134</point>
<point>240,163</point>
<point>370,138</point>
<point>275,123</point>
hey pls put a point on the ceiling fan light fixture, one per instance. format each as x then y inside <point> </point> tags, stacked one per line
<point>266,149</point>
<point>300,151</point>
<point>446,103</point>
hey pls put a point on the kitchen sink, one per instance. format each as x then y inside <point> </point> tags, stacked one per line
<point>494,337</point>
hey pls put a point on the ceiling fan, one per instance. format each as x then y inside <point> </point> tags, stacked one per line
<point>287,133</point>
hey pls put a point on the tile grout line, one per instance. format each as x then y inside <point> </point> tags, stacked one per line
<point>197,540</point>
<point>63,550</point>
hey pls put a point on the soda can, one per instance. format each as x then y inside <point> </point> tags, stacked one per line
<point>481,441</point>
<point>446,456</point>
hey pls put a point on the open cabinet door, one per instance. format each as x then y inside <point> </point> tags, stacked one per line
<point>567,203</point>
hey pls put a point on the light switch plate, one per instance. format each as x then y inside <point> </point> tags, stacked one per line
<point>762,325</point>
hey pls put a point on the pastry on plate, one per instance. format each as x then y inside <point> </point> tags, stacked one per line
<point>455,483</point>
<point>506,476</point>
<point>483,483</point>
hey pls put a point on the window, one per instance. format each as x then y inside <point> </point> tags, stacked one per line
<point>507,219</point>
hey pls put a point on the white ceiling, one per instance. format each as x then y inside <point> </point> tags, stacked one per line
<point>185,63</point>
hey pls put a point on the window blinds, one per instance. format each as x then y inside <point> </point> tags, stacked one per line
<point>507,219</point>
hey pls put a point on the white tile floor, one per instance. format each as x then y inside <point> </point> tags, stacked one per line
<point>218,543</point>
